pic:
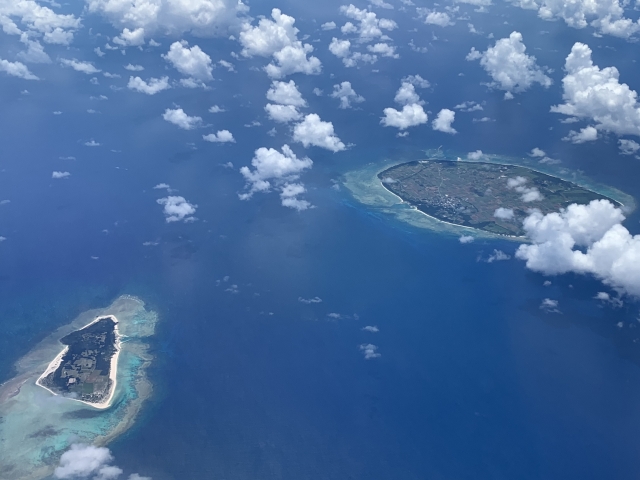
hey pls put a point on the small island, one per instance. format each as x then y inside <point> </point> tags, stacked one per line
<point>492,197</point>
<point>87,367</point>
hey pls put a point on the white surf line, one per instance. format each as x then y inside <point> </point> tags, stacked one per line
<point>113,370</point>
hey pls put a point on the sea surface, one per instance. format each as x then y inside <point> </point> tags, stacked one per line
<point>473,381</point>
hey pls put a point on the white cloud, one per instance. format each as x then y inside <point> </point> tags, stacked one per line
<point>84,67</point>
<point>282,113</point>
<point>54,28</point>
<point>17,69</point>
<point>596,94</point>
<point>466,239</point>
<point>270,165</point>
<point>586,134</point>
<point>181,119</point>
<point>468,107</point>
<point>310,300</point>
<point>177,209</point>
<point>498,256</point>
<point>406,94</point>
<point>628,147</point>
<point>216,109</point>
<point>313,131</point>
<point>130,38</point>
<point>92,143</point>
<point>384,50</point>
<point>441,19</point>
<point>346,94</point>
<point>604,297</point>
<point>381,4</point>
<point>278,37</point>
<point>204,18</point>
<point>477,155</point>
<point>417,81</point>
<point>222,136</point>
<point>410,116</point>
<point>192,62</point>
<point>509,66</point>
<point>503,213</point>
<point>371,329</point>
<point>585,239</point>
<point>369,350</point>
<point>606,16</point>
<point>537,153</point>
<point>342,49</point>
<point>443,121</point>
<point>35,51</point>
<point>82,461</point>
<point>289,196</point>
<point>369,26</point>
<point>60,174</point>
<point>328,26</point>
<point>150,87</point>
<point>134,68</point>
<point>286,93</point>
<point>549,306</point>
<point>529,194</point>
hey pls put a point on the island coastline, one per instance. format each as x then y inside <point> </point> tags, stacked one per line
<point>113,370</point>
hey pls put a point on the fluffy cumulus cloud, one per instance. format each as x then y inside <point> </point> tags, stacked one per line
<point>178,117</point>
<point>443,121</point>
<point>282,113</point>
<point>384,50</point>
<point>369,27</point>
<point>130,38</point>
<point>529,194</point>
<point>510,67</point>
<point>88,462</point>
<point>346,94</point>
<point>150,87</point>
<point>79,66</point>
<point>412,113</point>
<point>289,196</point>
<point>313,131</point>
<point>586,134</point>
<point>271,167</point>
<point>606,16</point>
<point>221,136</point>
<point>58,175</point>
<point>502,213</point>
<point>585,239</point>
<point>441,19</point>
<point>201,17</point>
<point>18,17</point>
<point>279,38</point>
<point>286,93</point>
<point>287,99</point>
<point>628,147</point>
<point>409,116</point>
<point>192,62</point>
<point>176,209</point>
<point>596,94</point>
<point>17,69</point>
<point>369,351</point>
<point>342,49</point>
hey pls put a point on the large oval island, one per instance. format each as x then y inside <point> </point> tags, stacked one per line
<point>492,197</point>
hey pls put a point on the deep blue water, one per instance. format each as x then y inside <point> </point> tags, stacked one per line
<point>474,381</point>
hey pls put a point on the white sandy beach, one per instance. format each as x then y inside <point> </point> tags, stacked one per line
<point>113,370</point>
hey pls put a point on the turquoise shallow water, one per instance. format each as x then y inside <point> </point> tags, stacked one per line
<point>38,426</point>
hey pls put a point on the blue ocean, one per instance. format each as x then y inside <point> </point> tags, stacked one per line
<point>260,369</point>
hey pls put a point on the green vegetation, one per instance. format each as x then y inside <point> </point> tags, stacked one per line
<point>487,196</point>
